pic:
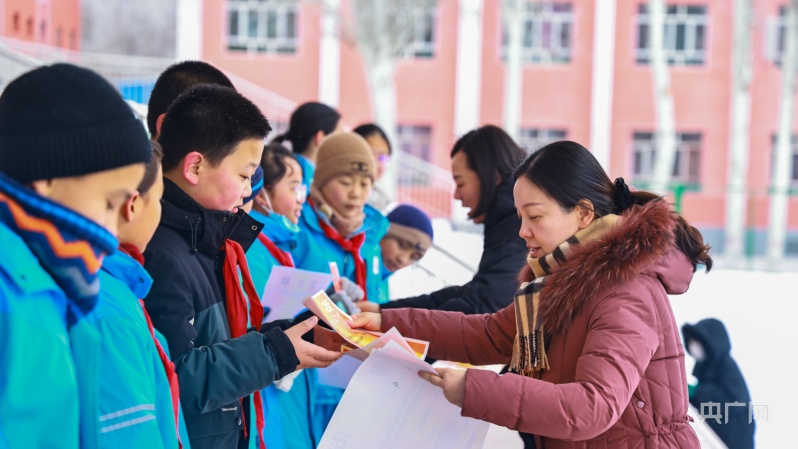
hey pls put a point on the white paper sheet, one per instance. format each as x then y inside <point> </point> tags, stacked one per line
<point>340,373</point>
<point>388,406</point>
<point>288,287</point>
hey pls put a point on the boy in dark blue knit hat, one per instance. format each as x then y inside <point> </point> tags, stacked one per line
<point>71,153</point>
<point>408,239</point>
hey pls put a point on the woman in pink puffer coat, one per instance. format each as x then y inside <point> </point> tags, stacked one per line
<point>594,351</point>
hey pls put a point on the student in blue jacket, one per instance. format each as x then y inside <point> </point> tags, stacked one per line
<point>71,153</point>
<point>337,224</point>
<point>276,201</point>
<point>139,394</point>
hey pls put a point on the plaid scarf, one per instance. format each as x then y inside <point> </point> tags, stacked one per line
<point>68,246</point>
<point>529,350</point>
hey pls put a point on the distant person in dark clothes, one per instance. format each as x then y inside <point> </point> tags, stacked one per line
<point>720,381</point>
<point>482,164</point>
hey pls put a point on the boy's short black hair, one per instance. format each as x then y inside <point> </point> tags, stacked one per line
<point>212,120</point>
<point>177,79</point>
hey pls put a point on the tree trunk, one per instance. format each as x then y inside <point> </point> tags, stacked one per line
<point>382,84</point>
<point>777,223</point>
<point>740,122</point>
<point>512,11</point>
<point>663,99</point>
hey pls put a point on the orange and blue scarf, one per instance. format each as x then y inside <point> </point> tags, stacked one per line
<point>69,247</point>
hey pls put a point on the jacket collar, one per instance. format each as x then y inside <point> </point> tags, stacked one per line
<point>503,205</point>
<point>277,227</point>
<point>127,270</point>
<point>642,243</point>
<point>205,230</point>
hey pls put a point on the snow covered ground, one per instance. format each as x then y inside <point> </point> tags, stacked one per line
<point>759,309</point>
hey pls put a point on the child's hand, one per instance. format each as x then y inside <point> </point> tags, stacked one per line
<point>310,355</point>
<point>368,306</point>
<point>367,321</point>
<point>451,380</point>
<point>353,290</point>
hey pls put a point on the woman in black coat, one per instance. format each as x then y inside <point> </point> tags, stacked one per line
<point>482,165</point>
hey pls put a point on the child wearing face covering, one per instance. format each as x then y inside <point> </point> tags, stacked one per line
<point>338,226</point>
<point>720,381</point>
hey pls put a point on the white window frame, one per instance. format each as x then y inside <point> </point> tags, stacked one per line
<point>532,139</point>
<point>676,15</point>
<point>775,29</point>
<point>688,152</point>
<point>537,17</point>
<point>420,47</point>
<point>274,39</point>
<point>793,159</point>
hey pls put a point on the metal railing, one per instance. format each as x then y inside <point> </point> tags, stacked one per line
<point>424,185</point>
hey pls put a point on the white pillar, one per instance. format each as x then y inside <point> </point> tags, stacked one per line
<point>189,30</point>
<point>469,67</point>
<point>736,197</point>
<point>330,54</point>
<point>777,220</point>
<point>603,77</point>
<point>513,82</point>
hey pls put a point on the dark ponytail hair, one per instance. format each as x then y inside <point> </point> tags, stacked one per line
<point>568,173</point>
<point>151,175</point>
<point>369,129</point>
<point>273,163</point>
<point>306,121</point>
<point>491,153</point>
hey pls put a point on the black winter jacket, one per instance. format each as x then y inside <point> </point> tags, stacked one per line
<point>187,305</point>
<point>495,283</point>
<point>720,381</point>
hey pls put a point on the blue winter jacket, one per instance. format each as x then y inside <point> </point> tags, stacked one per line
<point>308,170</point>
<point>288,423</point>
<point>284,235</point>
<point>48,373</point>
<point>315,251</point>
<point>135,400</point>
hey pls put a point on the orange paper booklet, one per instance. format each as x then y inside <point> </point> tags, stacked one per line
<point>323,307</point>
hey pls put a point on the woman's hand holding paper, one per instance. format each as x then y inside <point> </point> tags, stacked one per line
<point>367,321</point>
<point>451,381</point>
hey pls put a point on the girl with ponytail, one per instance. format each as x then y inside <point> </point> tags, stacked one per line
<point>310,123</point>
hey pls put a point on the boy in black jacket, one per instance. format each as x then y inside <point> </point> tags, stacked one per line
<point>212,139</point>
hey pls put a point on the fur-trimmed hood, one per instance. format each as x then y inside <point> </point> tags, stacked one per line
<point>642,243</point>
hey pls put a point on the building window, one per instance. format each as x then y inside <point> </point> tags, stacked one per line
<point>793,159</point>
<point>73,40</point>
<point>422,42</point>
<point>262,26</point>
<point>775,36</point>
<point>415,141</point>
<point>685,35</point>
<point>686,162</point>
<point>43,30</point>
<point>15,21</point>
<point>532,139</point>
<point>59,37</point>
<point>29,26</point>
<point>547,33</point>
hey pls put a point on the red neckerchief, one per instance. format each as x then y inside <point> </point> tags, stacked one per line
<point>283,258</point>
<point>168,366</point>
<point>352,246</point>
<point>236,305</point>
